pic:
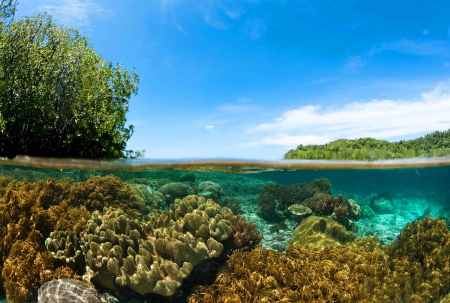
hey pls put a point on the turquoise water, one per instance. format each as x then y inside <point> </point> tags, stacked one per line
<point>390,194</point>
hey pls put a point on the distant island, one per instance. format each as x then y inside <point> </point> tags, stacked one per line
<point>436,144</point>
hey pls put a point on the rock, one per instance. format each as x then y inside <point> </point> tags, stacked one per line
<point>67,291</point>
<point>317,232</point>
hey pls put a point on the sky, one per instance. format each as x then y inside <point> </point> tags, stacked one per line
<point>253,79</point>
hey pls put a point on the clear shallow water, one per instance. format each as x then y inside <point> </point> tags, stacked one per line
<point>409,189</point>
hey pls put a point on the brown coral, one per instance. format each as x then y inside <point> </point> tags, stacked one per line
<point>26,268</point>
<point>338,208</point>
<point>300,275</point>
<point>413,269</point>
<point>99,192</point>
<point>275,198</point>
<point>245,234</point>
<point>42,207</point>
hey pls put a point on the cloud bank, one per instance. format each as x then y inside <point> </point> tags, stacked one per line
<point>380,119</point>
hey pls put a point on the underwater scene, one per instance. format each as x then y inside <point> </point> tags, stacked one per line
<point>287,231</point>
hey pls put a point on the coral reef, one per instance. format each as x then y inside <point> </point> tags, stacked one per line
<point>67,291</point>
<point>155,255</point>
<point>152,198</point>
<point>99,192</point>
<point>337,208</point>
<point>26,268</point>
<point>335,274</point>
<point>317,232</point>
<point>245,234</point>
<point>209,189</point>
<point>175,190</point>
<point>274,199</point>
<point>298,212</point>
<point>278,226</point>
<point>30,209</point>
<point>422,250</point>
<point>65,249</point>
<point>415,268</point>
<point>231,203</point>
<point>385,204</point>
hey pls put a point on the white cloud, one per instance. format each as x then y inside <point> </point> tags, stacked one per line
<point>209,127</point>
<point>290,141</point>
<point>416,47</point>
<point>381,119</point>
<point>237,108</point>
<point>424,47</point>
<point>256,27</point>
<point>75,12</point>
<point>354,63</point>
<point>324,80</point>
<point>241,106</point>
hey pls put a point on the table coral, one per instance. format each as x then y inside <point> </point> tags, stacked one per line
<point>154,255</point>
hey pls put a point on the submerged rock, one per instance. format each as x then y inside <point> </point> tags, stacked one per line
<point>67,291</point>
<point>317,232</point>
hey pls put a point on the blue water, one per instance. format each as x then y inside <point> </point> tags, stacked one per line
<point>414,187</point>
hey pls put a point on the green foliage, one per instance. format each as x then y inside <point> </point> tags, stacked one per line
<point>57,96</point>
<point>7,12</point>
<point>436,144</point>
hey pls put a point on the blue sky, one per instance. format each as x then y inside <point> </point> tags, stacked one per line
<point>253,79</point>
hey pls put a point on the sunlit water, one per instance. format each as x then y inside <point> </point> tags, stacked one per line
<point>416,187</point>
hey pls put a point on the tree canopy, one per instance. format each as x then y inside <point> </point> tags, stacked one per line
<point>58,97</point>
<point>435,144</point>
<point>7,12</point>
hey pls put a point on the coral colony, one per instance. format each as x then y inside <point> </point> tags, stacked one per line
<point>155,239</point>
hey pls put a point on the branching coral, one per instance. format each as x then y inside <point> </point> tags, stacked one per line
<point>300,275</point>
<point>422,253</point>
<point>415,268</point>
<point>99,192</point>
<point>26,268</point>
<point>245,234</point>
<point>153,256</point>
<point>338,208</point>
<point>274,199</point>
